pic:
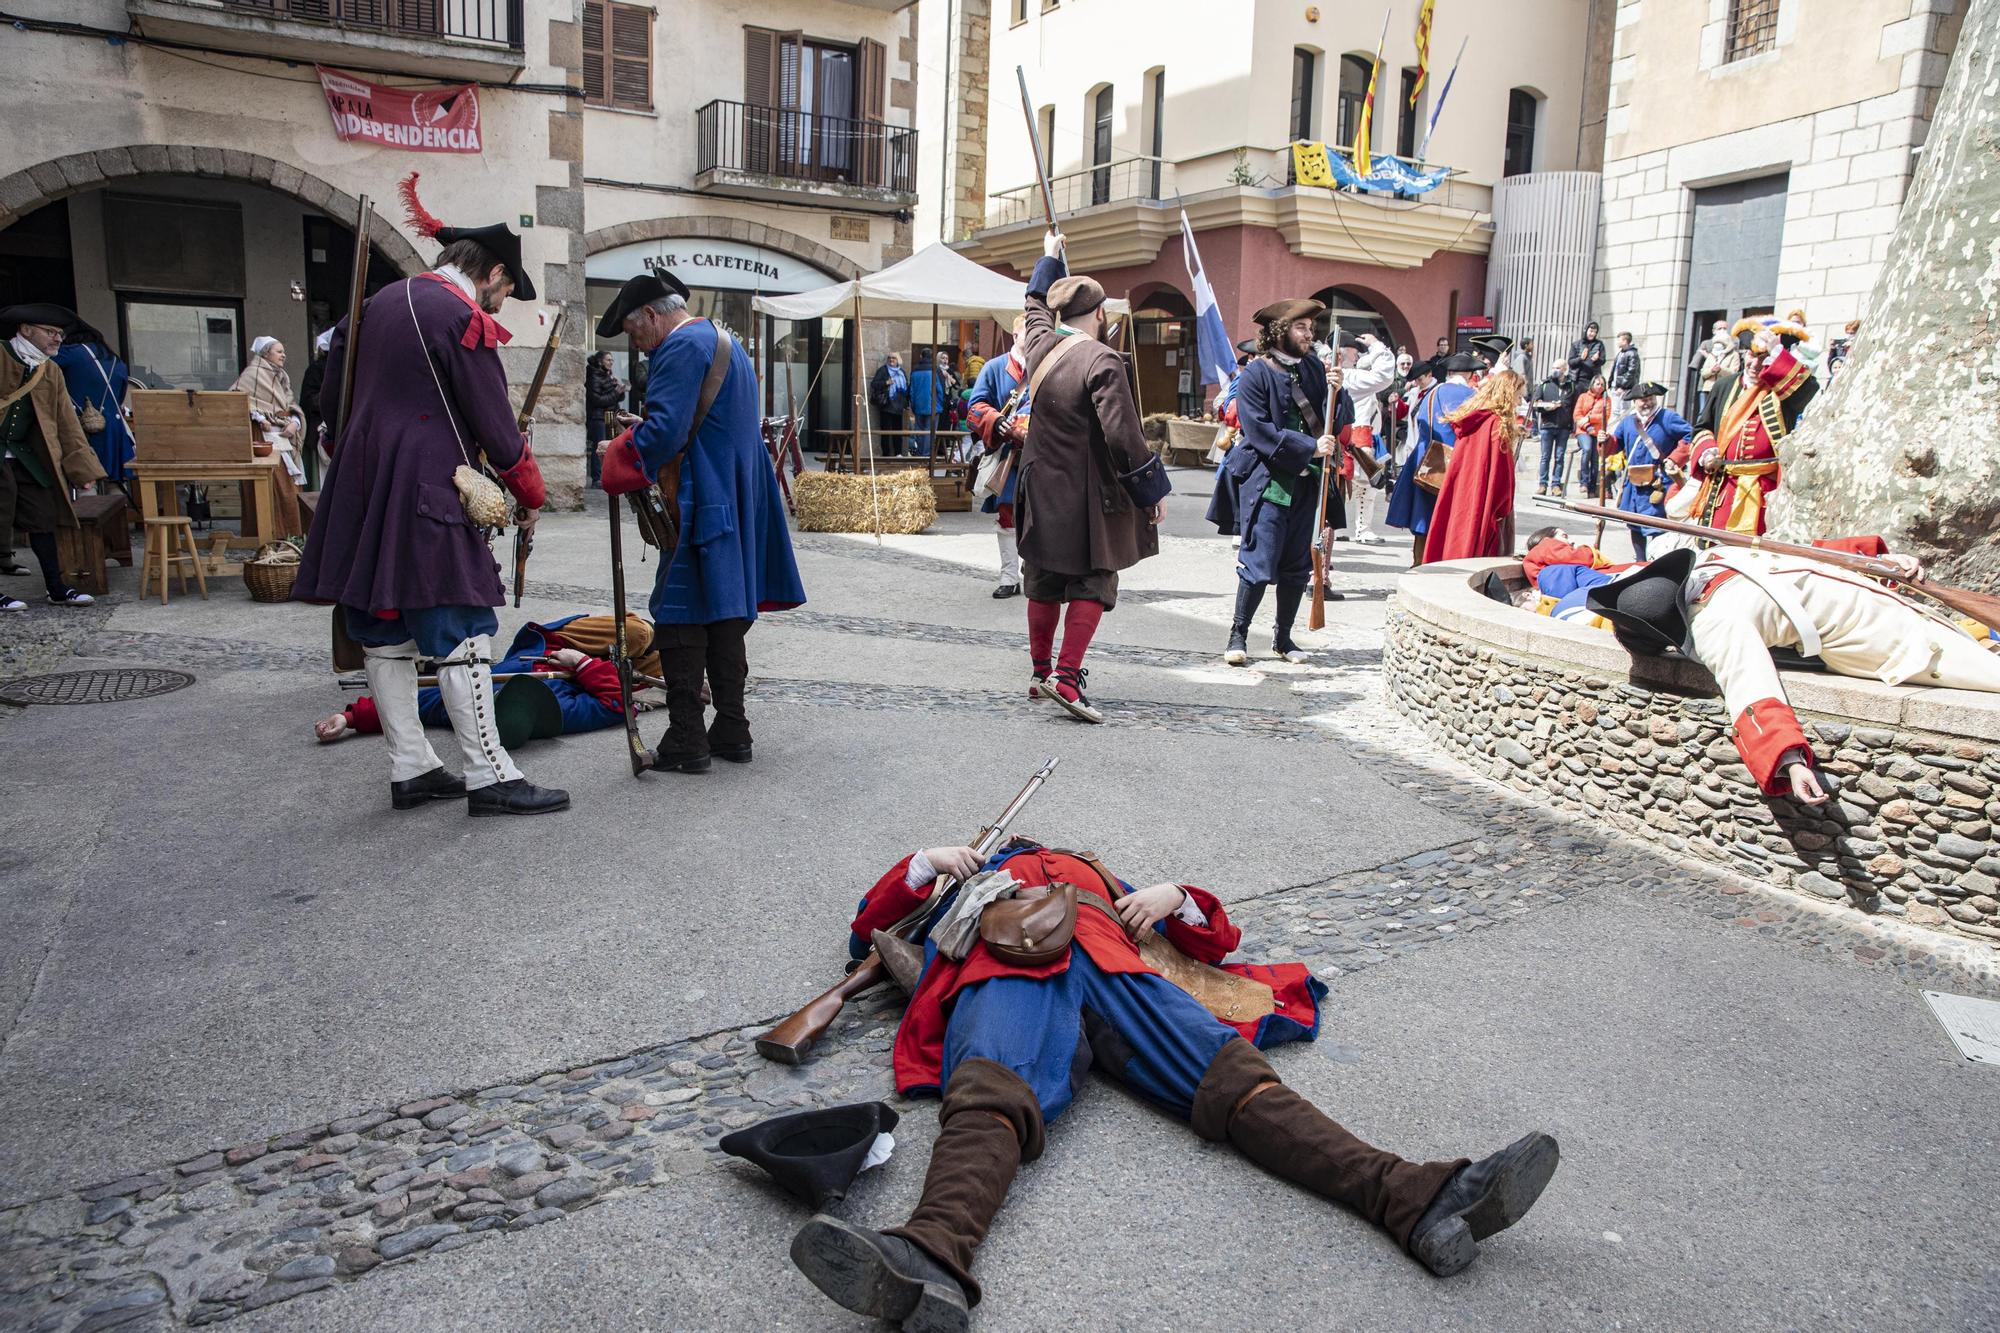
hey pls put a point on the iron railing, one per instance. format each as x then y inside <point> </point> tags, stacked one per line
<point>498,21</point>
<point>1113,182</point>
<point>805,146</point>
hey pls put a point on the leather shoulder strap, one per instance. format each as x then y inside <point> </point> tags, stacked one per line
<point>1056,354</point>
<point>711,384</point>
<point>27,386</point>
<point>1312,417</point>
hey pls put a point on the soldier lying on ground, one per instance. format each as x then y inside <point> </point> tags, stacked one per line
<point>1007,1044</point>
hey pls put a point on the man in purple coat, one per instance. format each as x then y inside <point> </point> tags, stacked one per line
<point>391,546</point>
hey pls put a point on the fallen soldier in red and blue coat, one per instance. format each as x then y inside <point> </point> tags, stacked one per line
<point>1008,1046</point>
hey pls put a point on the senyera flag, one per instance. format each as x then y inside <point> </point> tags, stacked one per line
<point>420,120</point>
<point>1423,50</point>
<point>1211,335</point>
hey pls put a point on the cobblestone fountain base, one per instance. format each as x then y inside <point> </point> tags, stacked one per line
<point>1566,713</point>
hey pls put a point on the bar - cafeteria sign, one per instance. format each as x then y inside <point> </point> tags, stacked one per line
<point>420,120</point>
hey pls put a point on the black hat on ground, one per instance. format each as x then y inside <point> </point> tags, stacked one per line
<point>497,239</point>
<point>815,1155</point>
<point>526,709</point>
<point>1645,607</point>
<point>637,294</point>
<point>36,312</point>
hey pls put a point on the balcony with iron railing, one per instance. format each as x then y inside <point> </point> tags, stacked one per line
<point>1125,180</point>
<point>748,151</point>
<point>472,39</point>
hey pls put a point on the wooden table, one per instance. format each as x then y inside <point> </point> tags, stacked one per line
<point>158,485</point>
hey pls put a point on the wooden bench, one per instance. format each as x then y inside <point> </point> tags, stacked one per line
<point>104,533</point>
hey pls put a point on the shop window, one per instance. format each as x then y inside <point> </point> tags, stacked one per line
<point>1354,72</point>
<point>1305,65</point>
<point>1523,110</point>
<point>617,55</point>
<point>1753,28</point>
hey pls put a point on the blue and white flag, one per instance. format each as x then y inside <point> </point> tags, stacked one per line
<point>1211,336</point>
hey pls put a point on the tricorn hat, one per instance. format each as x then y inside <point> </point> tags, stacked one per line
<point>637,293</point>
<point>1284,312</point>
<point>1075,295</point>
<point>36,312</point>
<point>1248,347</point>
<point>815,1155</point>
<point>1645,607</point>
<point>1650,389</point>
<point>1495,345</point>
<point>497,239</point>
<point>526,709</point>
<point>1456,363</point>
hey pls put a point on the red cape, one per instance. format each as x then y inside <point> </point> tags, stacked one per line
<point>1477,498</point>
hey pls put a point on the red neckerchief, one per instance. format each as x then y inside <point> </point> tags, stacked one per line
<point>484,330</point>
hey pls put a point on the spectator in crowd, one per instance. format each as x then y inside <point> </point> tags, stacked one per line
<point>1586,357</point>
<point>1590,418</point>
<point>1553,417</point>
<point>97,382</point>
<point>603,392</point>
<point>43,452</point>
<point>1707,364</point>
<point>309,393</point>
<point>1624,378</point>
<point>1522,360</point>
<point>949,394</point>
<point>275,409</point>
<point>1443,348</point>
<point>1843,347</point>
<point>889,392</point>
<point>924,402</point>
<point>1648,438</point>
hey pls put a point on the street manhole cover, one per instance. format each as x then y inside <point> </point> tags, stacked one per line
<point>94,687</point>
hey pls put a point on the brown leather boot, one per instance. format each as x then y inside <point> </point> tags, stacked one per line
<point>1296,1141</point>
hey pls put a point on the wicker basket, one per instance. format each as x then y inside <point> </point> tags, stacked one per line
<point>271,575</point>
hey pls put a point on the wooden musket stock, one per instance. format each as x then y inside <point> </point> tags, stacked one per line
<point>357,294</point>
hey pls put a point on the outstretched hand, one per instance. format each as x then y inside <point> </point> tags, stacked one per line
<point>1805,785</point>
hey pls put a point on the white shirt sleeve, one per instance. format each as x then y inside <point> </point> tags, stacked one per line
<point>921,871</point>
<point>1188,912</point>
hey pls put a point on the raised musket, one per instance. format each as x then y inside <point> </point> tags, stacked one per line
<point>792,1040</point>
<point>524,540</point>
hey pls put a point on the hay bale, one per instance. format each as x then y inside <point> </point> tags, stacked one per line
<point>842,502</point>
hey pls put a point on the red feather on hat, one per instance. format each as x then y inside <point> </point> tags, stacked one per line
<point>413,208</point>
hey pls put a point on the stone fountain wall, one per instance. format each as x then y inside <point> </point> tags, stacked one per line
<point>1565,712</point>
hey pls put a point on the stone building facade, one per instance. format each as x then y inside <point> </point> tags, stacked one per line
<point>1770,178</point>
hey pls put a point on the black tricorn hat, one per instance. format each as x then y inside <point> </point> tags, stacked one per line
<point>1248,347</point>
<point>36,312</point>
<point>1650,389</point>
<point>636,294</point>
<point>1495,345</point>
<point>1456,363</point>
<point>815,1155</point>
<point>1645,607</point>
<point>497,239</point>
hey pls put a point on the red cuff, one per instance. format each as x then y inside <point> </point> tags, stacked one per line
<point>984,416</point>
<point>1763,732</point>
<point>1205,944</point>
<point>601,679</point>
<point>622,472</point>
<point>524,479</point>
<point>889,901</point>
<point>361,716</point>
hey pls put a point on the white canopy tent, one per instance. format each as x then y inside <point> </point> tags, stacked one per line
<point>935,283</point>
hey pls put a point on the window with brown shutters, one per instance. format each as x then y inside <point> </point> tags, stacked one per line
<point>617,55</point>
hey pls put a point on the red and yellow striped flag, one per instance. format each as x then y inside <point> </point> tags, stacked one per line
<point>1363,156</point>
<point>1423,49</point>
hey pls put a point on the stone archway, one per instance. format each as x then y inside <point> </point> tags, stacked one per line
<point>723,229</point>
<point>22,192</point>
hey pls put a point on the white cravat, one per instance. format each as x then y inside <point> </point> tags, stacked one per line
<point>459,280</point>
<point>27,351</point>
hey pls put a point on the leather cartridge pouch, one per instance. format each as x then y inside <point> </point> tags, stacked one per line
<point>1641,474</point>
<point>1033,927</point>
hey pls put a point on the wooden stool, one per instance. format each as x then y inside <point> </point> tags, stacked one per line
<point>170,541</point>
<point>102,533</point>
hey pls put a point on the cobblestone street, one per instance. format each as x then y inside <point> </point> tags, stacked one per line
<point>271,1054</point>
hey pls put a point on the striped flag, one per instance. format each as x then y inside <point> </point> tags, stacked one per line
<point>1423,49</point>
<point>1443,93</point>
<point>1211,336</point>
<point>1363,158</point>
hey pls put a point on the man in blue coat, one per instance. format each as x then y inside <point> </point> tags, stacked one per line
<point>734,558</point>
<point>1410,505</point>
<point>999,414</point>
<point>391,544</point>
<point>1268,487</point>
<point>1648,436</point>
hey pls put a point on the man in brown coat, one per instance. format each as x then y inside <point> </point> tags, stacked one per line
<point>1090,491</point>
<point>43,450</point>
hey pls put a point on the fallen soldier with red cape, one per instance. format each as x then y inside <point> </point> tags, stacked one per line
<point>1475,505</point>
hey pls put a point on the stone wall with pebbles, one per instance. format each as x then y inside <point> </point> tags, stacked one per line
<point>1565,712</point>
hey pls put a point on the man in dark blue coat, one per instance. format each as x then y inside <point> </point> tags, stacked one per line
<point>734,558</point>
<point>1268,487</point>
<point>391,546</point>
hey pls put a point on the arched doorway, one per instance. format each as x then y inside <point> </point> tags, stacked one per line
<point>1163,360</point>
<point>1351,312</point>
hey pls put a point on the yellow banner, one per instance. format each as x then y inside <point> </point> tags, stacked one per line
<point>1309,165</point>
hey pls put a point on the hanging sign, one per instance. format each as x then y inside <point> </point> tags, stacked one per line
<point>418,120</point>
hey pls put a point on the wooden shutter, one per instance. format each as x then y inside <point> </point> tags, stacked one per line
<point>596,54</point>
<point>631,57</point>
<point>760,93</point>
<point>871,97</point>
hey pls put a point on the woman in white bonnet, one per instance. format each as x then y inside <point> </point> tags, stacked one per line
<point>274,407</point>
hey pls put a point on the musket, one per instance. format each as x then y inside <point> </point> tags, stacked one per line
<point>1980,606</point>
<point>621,652</point>
<point>1316,618</point>
<point>790,1041</point>
<point>1035,141</point>
<point>524,540</point>
<point>357,294</point>
<point>361,682</point>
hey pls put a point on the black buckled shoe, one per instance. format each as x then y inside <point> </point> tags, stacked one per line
<point>677,761</point>
<point>440,784</point>
<point>518,797</point>
<point>1006,590</point>
<point>884,1277</point>
<point>1485,1197</point>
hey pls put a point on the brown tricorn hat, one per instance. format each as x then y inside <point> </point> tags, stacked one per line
<point>1284,312</point>
<point>1075,295</point>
